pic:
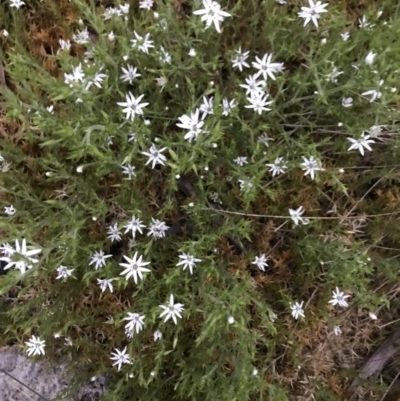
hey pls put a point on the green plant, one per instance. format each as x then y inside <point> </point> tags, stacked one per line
<point>272,202</point>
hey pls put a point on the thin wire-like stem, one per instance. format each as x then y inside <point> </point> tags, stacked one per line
<point>390,386</point>
<point>271,216</point>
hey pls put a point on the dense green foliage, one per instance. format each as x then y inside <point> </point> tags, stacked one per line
<point>66,145</point>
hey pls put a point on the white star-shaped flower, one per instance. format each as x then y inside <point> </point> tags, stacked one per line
<point>16,3</point>
<point>120,358</point>
<point>295,215</point>
<point>192,124</point>
<point>265,139</point>
<point>240,60</point>
<point>132,106</point>
<point>245,185</point>
<point>228,106</point>
<point>241,160</point>
<point>7,250</point>
<point>134,267</point>
<point>361,143</point>
<point>345,36</point>
<point>258,102</point>
<point>310,166</point>
<point>212,14</point>
<point>297,309</point>
<point>134,225</point>
<point>100,259</point>
<point>135,322</point>
<point>21,258</point>
<point>188,261</point>
<point>207,107</point>
<point>261,262</point>
<point>82,37</point>
<point>312,13</point>
<point>64,45</point>
<point>265,67</point>
<point>77,75</point>
<point>106,283</point>
<point>155,156</point>
<point>277,167</point>
<point>35,346</point>
<point>338,298</point>
<point>157,229</point>
<point>97,80</point>
<point>113,233</point>
<point>147,4</point>
<point>129,171</point>
<point>172,310</point>
<point>253,86</point>
<point>130,73</point>
<point>64,272</point>
<point>143,43</point>
<point>375,94</point>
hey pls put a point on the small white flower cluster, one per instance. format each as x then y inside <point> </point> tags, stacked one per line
<point>122,10</point>
<point>255,89</point>
<point>136,323</point>
<point>338,298</point>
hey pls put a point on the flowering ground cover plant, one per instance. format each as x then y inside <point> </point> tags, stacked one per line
<point>200,198</point>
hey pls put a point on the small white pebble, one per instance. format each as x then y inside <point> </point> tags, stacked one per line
<point>177,176</point>
<point>341,170</point>
<point>191,204</point>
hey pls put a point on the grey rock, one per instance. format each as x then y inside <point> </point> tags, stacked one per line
<point>22,379</point>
